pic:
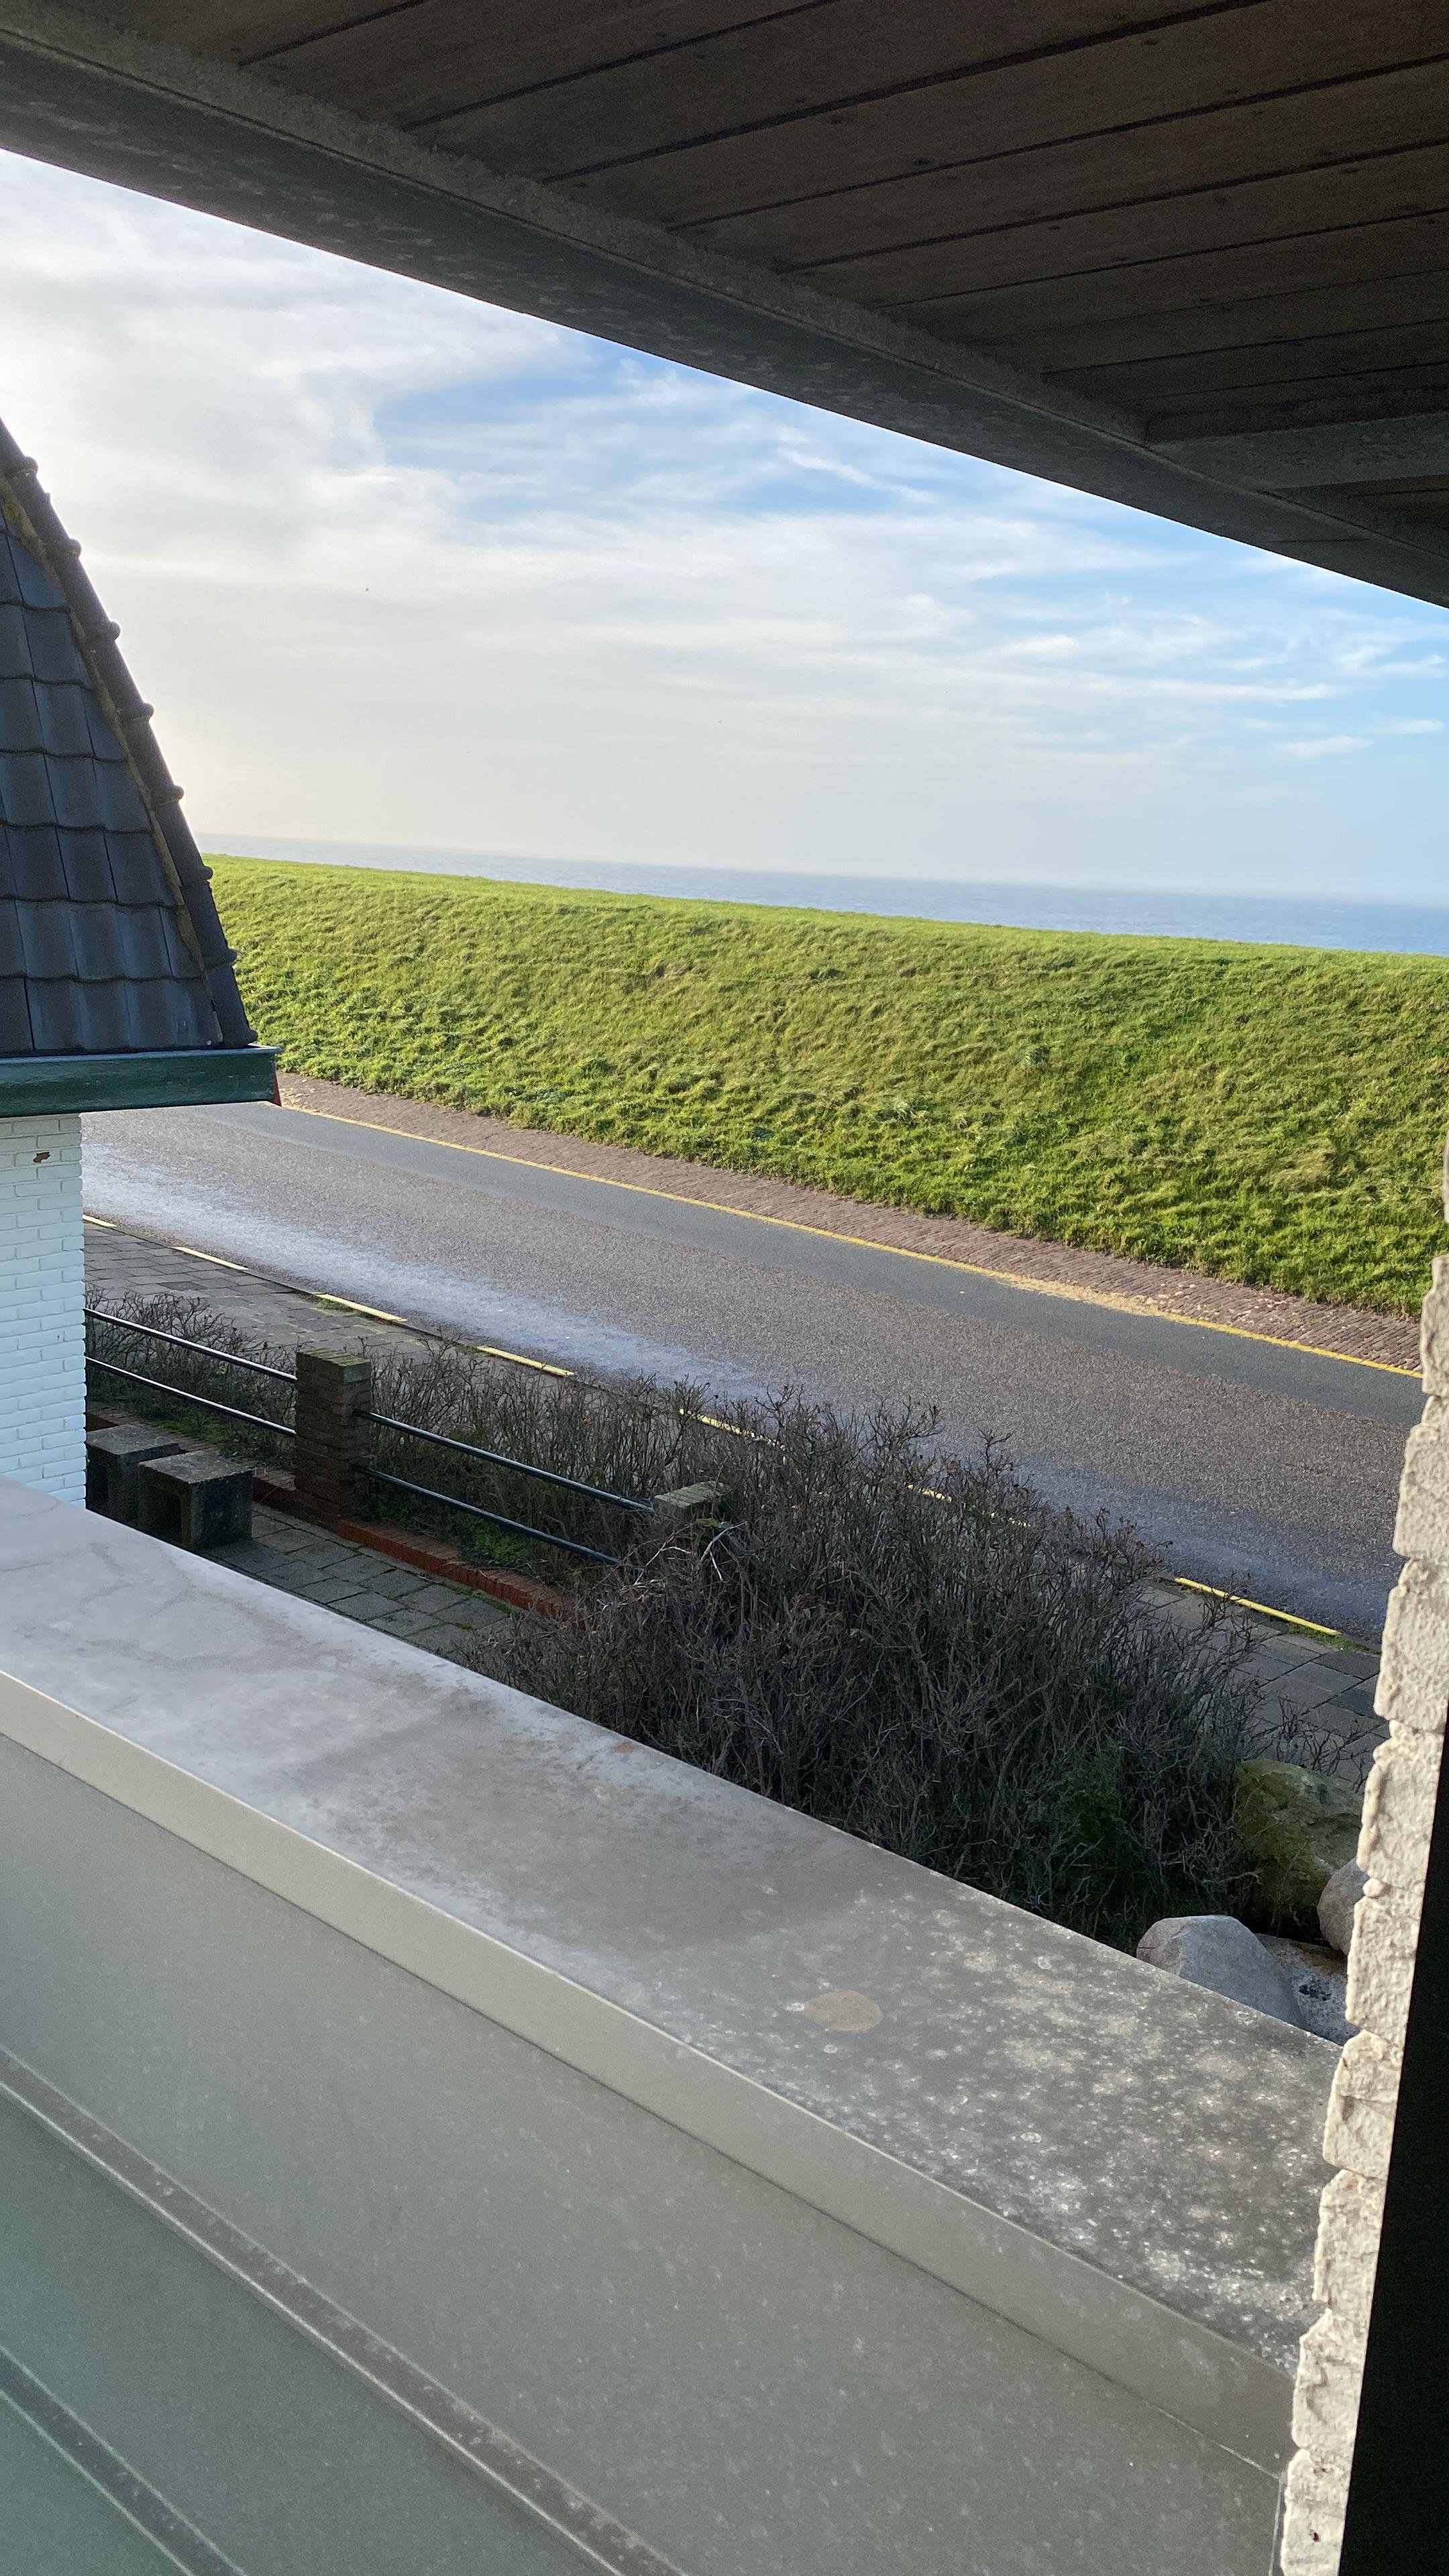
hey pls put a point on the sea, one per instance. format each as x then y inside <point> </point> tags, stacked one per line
<point>1276,920</point>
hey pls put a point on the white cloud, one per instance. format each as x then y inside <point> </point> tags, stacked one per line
<point>398,567</point>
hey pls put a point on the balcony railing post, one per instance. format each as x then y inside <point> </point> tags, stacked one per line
<point>332,1445</point>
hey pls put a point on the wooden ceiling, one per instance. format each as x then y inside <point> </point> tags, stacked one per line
<point>1195,224</point>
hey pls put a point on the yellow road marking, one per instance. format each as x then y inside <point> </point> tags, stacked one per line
<point>864,1243</point>
<point>194,1253</point>
<point>1265,1610</point>
<point>354,1306</point>
<point>490,1351</point>
<point>381,1315</point>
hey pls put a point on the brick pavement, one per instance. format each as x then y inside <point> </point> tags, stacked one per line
<point>1325,1681</point>
<point>357,1583</point>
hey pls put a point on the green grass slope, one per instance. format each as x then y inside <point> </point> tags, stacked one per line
<point>1274,1115</point>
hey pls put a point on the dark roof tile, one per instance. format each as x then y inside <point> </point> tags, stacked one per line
<point>55,1017</point>
<point>48,938</point>
<point>102,741</point>
<point>19,716</point>
<point>132,860</point>
<point>25,797</point>
<point>100,947</point>
<point>37,644</point>
<point>104,901</point>
<point>33,863</point>
<point>87,875</point>
<point>65,728</point>
<point>15,1012</point>
<point>34,586</point>
<point>85,793</point>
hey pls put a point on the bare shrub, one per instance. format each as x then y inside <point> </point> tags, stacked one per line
<point>923,1653</point>
<point>911,1647</point>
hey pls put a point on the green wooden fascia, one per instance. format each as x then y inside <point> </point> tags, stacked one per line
<point>173,1078</point>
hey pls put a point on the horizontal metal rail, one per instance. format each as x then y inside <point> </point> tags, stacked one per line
<point>380,1422</point>
<point>206,1350</point>
<point>515,1466</point>
<point>183,1395</point>
<point>498,1520</point>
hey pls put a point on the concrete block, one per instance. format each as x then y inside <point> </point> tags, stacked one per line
<point>1314,2503</point>
<point>1422,1528</point>
<point>113,1459</point>
<point>1325,2401</point>
<point>196,1500</point>
<point>1414,1675</point>
<point>1216,1951</point>
<point>687,1502</point>
<point>1350,2215</point>
<point>1398,1808</point>
<point>1381,1962</point>
<point>1360,2125</point>
<point>1434,1331</point>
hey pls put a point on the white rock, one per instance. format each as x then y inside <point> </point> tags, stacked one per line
<point>1320,1985</point>
<point>1217,1951</point>
<point>1336,1905</point>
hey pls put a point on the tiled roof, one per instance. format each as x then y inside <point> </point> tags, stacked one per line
<point>109,938</point>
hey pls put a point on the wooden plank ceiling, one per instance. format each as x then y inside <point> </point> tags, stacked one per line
<point>1226,221</point>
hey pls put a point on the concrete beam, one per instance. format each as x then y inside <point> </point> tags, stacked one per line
<point>80,94</point>
<point>1355,451</point>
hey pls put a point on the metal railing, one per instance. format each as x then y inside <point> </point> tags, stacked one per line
<point>385,1422</point>
<point>184,1394</point>
<point>511,1466</point>
<point>496,1520</point>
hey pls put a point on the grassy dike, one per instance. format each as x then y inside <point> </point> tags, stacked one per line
<point>1273,1115</point>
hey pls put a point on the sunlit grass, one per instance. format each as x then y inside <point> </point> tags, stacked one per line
<point>1273,1115</point>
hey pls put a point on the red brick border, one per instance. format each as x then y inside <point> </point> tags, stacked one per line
<point>434,1556</point>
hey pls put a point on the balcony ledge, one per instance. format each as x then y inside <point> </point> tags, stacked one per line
<point>1123,2167</point>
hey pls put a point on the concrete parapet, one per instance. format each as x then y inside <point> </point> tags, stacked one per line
<point>702,2188</point>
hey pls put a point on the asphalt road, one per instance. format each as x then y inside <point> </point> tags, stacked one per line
<point>1269,1470</point>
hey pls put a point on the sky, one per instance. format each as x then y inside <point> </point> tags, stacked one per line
<point>397,567</point>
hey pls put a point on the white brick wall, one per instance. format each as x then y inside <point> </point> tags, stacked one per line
<point>42,1306</point>
<point>1398,1813</point>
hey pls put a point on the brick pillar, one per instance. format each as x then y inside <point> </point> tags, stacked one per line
<point>330,1452</point>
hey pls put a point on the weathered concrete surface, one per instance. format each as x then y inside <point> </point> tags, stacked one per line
<point>1113,2169</point>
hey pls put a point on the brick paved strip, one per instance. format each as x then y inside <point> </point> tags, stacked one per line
<point>1063,1270</point>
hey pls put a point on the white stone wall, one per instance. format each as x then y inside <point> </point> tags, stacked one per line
<point>42,1306</point>
<point>1413,1694</point>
